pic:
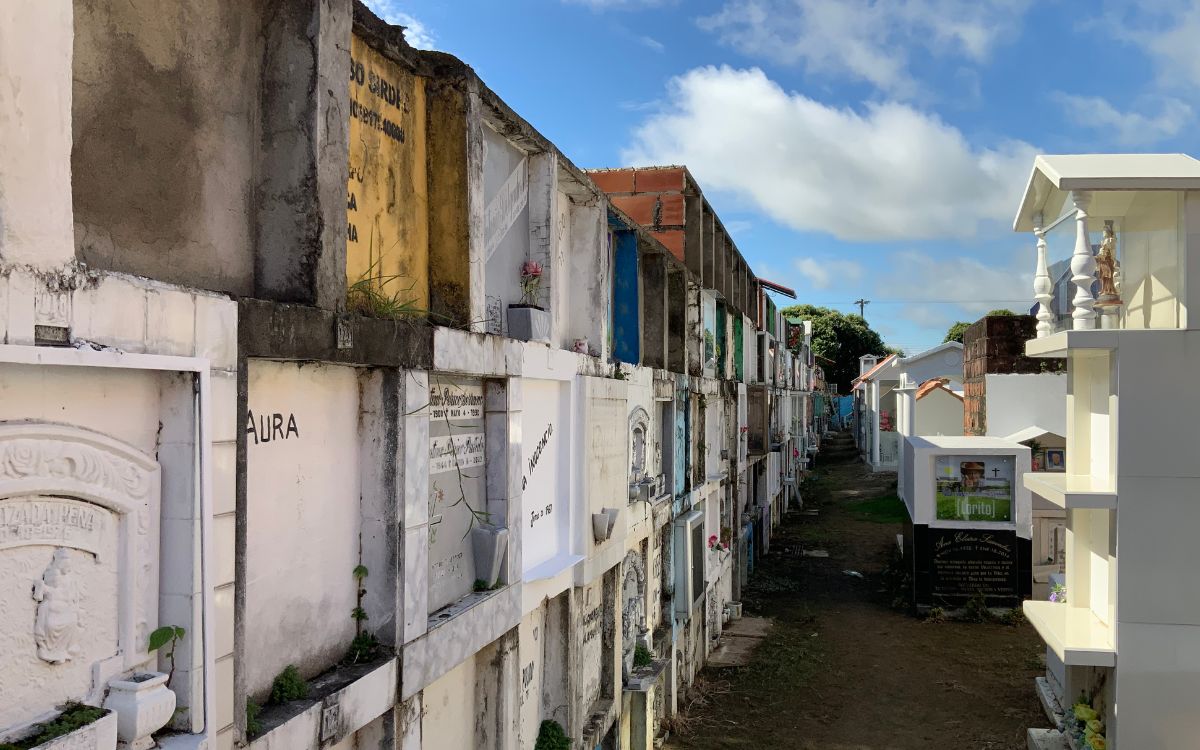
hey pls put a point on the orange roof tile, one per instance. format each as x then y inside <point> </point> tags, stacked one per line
<point>929,386</point>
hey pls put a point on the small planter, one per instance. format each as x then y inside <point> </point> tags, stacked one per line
<point>490,544</point>
<point>143,705</point>
<point>101,734</point>
<point>529,323</point>
<point>603,523</point>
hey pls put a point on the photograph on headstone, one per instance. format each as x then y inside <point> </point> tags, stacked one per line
<point>974,488</point>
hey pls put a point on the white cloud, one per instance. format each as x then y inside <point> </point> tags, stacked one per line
<point>916,297</point>
<point>1131,128</point>
<point>415,33</point>
<point>652,43</point>
<point>738,226</point>
<point>1166,30</point>
<point>888,172</point>
<point>867,40</point>
<point>822,274</point>
<point>937,291</point>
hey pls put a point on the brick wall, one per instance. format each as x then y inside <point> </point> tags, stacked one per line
<point>653,197</point>
<point>995,344</point>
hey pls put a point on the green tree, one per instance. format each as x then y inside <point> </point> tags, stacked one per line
<point>1000,314</point>
<point>956,332</point>
<point>840,338</point>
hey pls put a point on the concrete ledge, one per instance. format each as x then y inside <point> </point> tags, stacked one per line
<point>271,330</point>
<point>429,656</point>
<point>338,709</point>
<point>643,679</point>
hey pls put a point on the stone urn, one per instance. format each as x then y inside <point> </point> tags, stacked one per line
<point>143,704</point>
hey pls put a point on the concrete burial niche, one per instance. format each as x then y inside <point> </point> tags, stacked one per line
<point>87,504</point>
<point>970,521</point>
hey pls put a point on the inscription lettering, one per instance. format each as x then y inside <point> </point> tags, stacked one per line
<point>61,522</point>
<point>268,427</point>
<point>537,455</point>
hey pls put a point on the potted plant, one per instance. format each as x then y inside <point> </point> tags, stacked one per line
<point>527,320</point>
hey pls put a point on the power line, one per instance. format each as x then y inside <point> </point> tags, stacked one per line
<point>930,301</point>
<point>862,303</point>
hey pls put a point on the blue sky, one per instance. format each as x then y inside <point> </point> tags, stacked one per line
<point>852,148</point>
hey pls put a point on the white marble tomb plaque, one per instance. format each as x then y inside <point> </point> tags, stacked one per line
<point>55,521</point>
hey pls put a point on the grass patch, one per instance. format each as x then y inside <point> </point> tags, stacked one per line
<point>886,509</point>
<point>74,716</point>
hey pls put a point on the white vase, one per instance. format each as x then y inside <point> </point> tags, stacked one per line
<point>490,544</point>
<point>143,704</point>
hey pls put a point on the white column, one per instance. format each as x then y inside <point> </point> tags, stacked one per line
<point>1043,287</point>
<point>874,422</point>
<point>906,420</point>
<point>36,225</point>
<point>1083,267</point>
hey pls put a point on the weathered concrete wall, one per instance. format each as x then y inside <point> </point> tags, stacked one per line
<point>301,172</point>
<point>302,526</point>
<point>532,656</point>
<point>449,227</point>
<point>165,113</point>
<point>449,707</point>
<point>506,226</point>
<point>588,281</point>
<point>35,128</point>
<point>387,229</point>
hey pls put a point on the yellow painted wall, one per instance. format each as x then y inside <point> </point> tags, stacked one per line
<point>387,213</point>
<point>449,188</point>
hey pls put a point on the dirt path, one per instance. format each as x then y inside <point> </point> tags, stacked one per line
<point>841,669</point>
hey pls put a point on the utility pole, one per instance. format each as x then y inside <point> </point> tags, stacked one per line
<point>862,303</point>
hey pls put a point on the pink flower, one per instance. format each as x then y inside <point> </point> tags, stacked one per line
<point>531,268</point>
<point>712,540</point>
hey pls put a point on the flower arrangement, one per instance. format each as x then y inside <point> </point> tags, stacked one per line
<point>1086,726</point>
<point>1058,593</point>
<point>716,545</point>
<point>531,282</point>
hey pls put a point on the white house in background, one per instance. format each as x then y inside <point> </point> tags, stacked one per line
<point>1129,633</point>
<point>867,401</point>
<point>939,409</point>
<point>889,399</point>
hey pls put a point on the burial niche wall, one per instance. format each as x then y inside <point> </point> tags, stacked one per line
<point>78,566</point>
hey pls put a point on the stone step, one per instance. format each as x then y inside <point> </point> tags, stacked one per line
<point>1049,701</point>
<point>1046,739</point>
